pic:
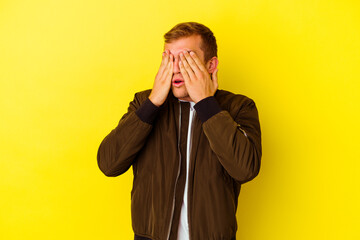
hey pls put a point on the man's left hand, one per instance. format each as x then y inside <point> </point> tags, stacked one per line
<point>198,82</point>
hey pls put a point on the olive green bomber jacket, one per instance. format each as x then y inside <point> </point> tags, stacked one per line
<point>225,153</point>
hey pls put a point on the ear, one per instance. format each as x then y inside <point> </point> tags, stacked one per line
<point>212,64</point>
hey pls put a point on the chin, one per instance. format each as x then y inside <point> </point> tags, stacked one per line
<point>181,93</point>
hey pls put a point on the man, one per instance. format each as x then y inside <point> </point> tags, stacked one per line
<point>190,144</point>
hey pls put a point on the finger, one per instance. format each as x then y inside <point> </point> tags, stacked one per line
<point>187,67</point>
<point>167,68</point>
<point>164,63</point>
<point>171,69</point>
<point>198,62</point>
<point>194,66</point>
<point>167,55</point>
<point>184,73</point>
<point>170,62</point>
<point>165,58</point>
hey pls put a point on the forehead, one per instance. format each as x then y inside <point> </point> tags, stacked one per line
<point>186,43</point>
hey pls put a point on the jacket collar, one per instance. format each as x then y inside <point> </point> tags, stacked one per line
<point>174,99</point>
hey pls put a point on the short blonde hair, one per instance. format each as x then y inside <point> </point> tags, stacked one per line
<point>187,29</point>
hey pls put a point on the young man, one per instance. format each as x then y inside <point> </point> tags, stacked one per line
<point>190,144</point>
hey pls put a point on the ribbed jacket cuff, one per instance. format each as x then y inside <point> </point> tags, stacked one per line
<point>207,107</point>
<point>147,111</point>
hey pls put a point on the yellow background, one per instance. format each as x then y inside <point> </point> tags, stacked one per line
<point>69,69</point>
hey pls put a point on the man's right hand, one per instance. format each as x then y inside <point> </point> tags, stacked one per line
<point>162,83</point>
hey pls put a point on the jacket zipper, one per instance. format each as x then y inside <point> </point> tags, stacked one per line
<point>191,144</point>
<point>172,211</point>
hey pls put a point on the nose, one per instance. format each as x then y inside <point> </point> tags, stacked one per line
<point>176,68</point>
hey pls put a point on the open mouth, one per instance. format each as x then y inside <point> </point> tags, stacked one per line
<point>178,83</point>
<point>177,80</point>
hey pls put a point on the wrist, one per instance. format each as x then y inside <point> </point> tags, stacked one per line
<point>201,98</point>
<point>147,111</point>
<point>207,107</point>
<point>155,102</point>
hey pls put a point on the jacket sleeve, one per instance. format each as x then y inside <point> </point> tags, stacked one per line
<point>119,148</point>
<point>236,142</point>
